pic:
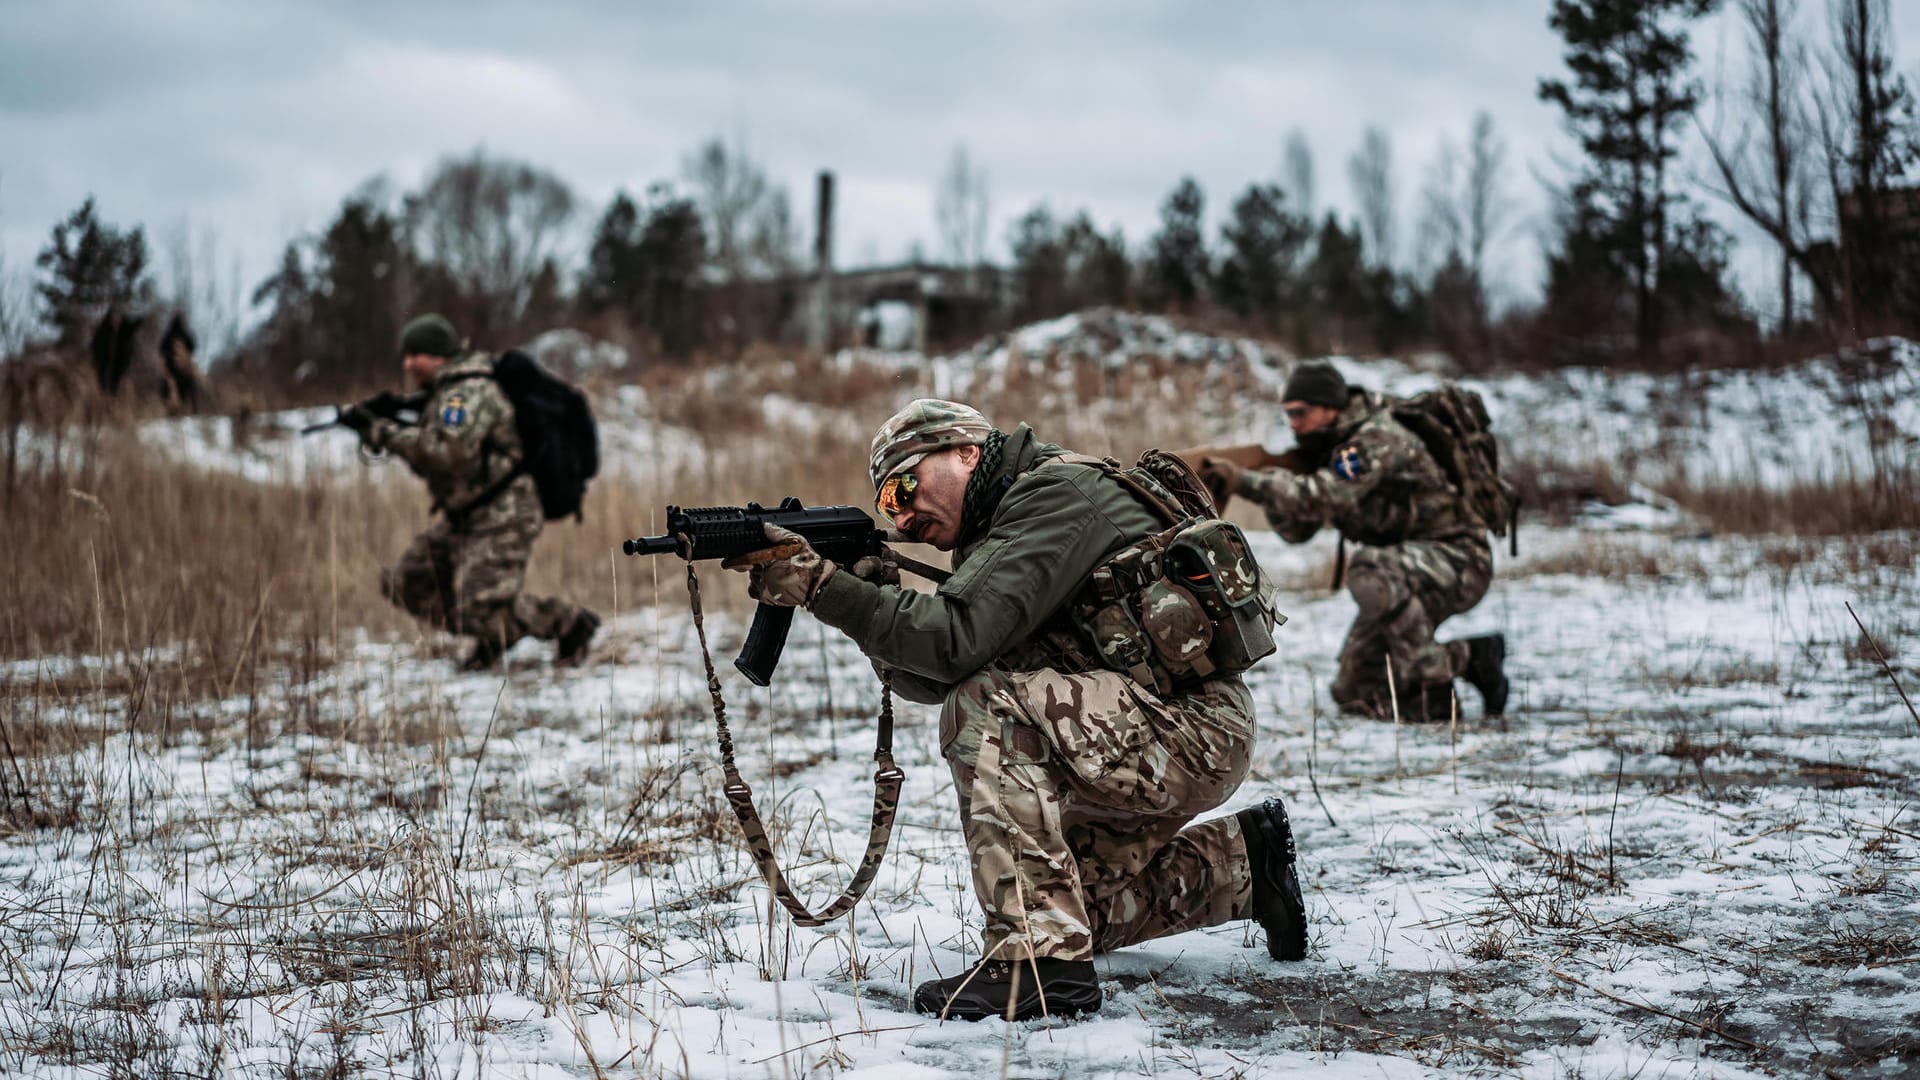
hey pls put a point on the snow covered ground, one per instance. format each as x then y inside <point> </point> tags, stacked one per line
<point>1690,849</point>
<point>1831,417</point>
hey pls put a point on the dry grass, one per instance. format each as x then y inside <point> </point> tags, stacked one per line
<point>1846,505</point>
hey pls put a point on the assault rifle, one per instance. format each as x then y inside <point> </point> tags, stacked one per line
<point>386,404</point>
<point>844,534</point>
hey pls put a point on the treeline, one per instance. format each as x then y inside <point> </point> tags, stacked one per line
<point>1814,142</point>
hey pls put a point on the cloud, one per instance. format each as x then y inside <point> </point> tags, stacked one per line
<point>256,120</point>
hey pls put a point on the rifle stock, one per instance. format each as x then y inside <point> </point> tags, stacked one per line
<point>844,534</point>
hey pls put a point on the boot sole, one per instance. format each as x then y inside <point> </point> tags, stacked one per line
<point>1056,1005</point>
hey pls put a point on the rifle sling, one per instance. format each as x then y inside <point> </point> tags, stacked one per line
<point>887,779</point>
<point>458,514</point>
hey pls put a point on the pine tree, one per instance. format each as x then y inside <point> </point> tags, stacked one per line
<point>673,248</point>
<point>1177,262</point>
<point>1628,96</point>
<point>91,267</point>
<point>1263,242</point>
<point>615,269</point>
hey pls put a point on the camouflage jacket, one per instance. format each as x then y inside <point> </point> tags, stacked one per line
<point>1379,486</point>
<point>465,442</point>
<point>1056,524</point>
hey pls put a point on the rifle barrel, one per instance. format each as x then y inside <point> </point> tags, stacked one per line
<point>650,545</point>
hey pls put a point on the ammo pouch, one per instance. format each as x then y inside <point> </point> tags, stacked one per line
<point>1185,604</point>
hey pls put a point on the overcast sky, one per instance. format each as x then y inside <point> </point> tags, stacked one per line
<point>244,125</point>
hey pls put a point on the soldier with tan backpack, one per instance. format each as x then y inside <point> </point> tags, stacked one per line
<point>1414,486</point>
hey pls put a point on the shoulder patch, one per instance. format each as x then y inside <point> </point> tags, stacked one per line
<point>453,412</point>
<point>1348,464</point>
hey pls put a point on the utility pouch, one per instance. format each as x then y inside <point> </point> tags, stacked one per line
<point>1186,604</point>
<point>1214,562</point>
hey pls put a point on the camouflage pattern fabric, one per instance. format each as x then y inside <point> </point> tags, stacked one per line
<point>1422,555</point>
<point>465,573</point>
<point>1404,592</point>
<point>465,441</point>
<point>922,427</point>
<point>1378,486</point>
<point>1076,792</point>
<point>470,583</point>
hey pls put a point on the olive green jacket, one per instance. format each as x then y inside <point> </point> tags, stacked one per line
<point>1380,486</point>
<point>465,442</point>
<point>1057,522</point>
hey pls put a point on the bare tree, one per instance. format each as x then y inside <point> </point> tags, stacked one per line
<point>1486,208</point>
<point>1765,177</point>
<point>1866,136</point>
<point>489,228</point>
<point>1441,234</point>
<point>1462,210</point>
<point>15,310</point>
<point>196,286</point>
<point>16,305</point>
<point>960,205</point>
<point>748,217</point>
<point>1370,170</point>
<point>1297,168</point>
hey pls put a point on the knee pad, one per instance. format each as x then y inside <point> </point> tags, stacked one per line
<point>1373,590</point>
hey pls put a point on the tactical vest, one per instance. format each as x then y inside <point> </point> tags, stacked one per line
<point>1188,603</point>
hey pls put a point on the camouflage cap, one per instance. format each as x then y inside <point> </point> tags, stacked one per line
<point>924,426</point>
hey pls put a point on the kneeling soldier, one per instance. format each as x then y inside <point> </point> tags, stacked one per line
<point>1076,783</point>
<point>465,573</point>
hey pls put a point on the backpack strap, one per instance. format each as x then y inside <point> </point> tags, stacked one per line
<point>457,515</point>
<point>1168,512</point>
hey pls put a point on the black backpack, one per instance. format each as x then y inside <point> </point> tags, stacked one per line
<point>559,445</point>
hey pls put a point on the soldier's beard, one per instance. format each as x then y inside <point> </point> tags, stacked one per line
<point>1318,446</point>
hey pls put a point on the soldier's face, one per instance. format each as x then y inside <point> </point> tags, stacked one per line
<point>934,515</point>
<point>422,367</point>
<point>1306,419</point>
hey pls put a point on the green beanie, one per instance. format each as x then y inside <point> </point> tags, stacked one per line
<point>429,334</point>
<point>1316,382</point>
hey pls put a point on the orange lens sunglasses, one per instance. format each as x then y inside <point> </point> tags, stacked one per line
<point>896,494</point>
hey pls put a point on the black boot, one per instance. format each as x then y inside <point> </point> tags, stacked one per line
<point>1432,704</point>
<point>487,651</point>
<point>1062,988</point>
<point>1486,670</point>
<point>1277,904</point>
<point>571,649</point>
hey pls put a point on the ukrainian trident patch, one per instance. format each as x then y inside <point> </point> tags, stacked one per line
<point>1348,464</point>
<point>454,412</point>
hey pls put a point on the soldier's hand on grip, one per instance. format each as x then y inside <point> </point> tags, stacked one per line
<point>1221,476</point>
<point>878,569</point>
<point>356,418</point>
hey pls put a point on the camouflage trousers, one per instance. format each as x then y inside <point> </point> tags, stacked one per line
<point>469,582</point>
<point>1404,591</point>
<point>1075,796</point>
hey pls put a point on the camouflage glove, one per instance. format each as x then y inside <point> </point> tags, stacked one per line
<point>788,574</point>
<point>879,569</point>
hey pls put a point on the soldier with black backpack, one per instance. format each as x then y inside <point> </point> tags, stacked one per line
<point>503,446</point>
<point>1414,485</point>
